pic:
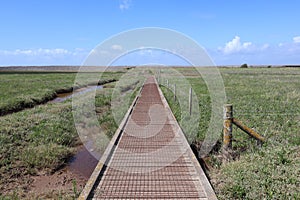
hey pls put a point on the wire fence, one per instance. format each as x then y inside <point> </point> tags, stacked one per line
<point>180,87</point>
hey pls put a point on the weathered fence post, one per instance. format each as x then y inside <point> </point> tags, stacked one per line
<point>190,101</point>
<point>174,91</point>
<point>227,129</point>
<point>158,76</point>
<point>167,83</point>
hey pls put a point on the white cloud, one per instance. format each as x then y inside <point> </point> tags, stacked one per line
<point>235,46</point>
<point>42,56</point>
<point>296,39</point>
<point>265,46</point>
<point>125,4</point>
<point>116,47</point>
<point>235,53</point>
<point>36,52</point>
<point>145,52</point>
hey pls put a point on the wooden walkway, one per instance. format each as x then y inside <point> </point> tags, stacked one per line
<point>149,157</point>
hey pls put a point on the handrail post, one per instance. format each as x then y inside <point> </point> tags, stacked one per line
<point>158,76</point>
<point>190,101</point>
<point>174,91</point>
<point>227,126</point>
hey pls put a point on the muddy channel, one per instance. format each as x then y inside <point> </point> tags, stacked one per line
<point>82,162</point>
<point>78,168</point>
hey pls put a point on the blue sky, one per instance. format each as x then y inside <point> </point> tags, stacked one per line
<point>57,32</point>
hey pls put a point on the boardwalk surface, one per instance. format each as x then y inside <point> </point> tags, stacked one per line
<point>151,159</point>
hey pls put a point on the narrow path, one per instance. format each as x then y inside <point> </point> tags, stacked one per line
<point>149,157</point>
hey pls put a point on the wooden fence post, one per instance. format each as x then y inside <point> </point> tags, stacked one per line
<point>248,130</point>
<point>227,129</point>
<point>174,91</point>
<point>158,76</point>
<point>167,83</point>
<point>190,101</point>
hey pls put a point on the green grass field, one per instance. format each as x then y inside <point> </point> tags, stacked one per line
<point>25,89</point>
<point>41,139</point>
<point>267,100</point>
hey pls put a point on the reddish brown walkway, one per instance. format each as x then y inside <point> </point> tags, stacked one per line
<point>152,159</point>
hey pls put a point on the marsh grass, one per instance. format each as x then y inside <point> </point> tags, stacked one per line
<point>267,100</point>
<point>34,141</point>
<point>21,90</point>
<point>39,140</point>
